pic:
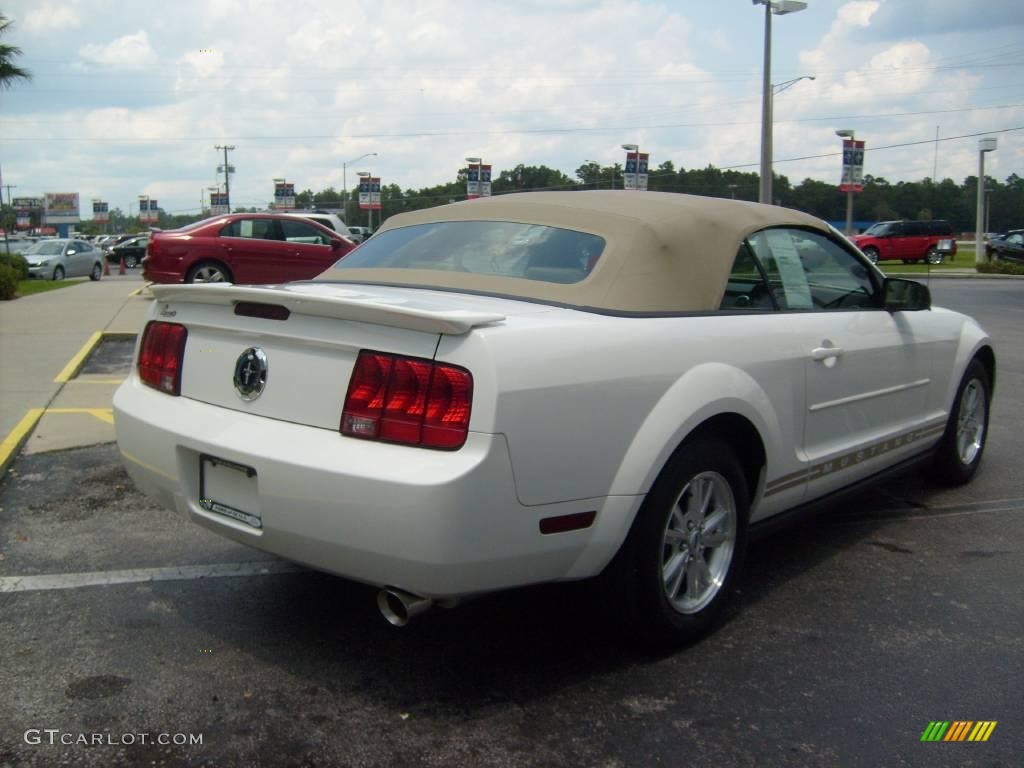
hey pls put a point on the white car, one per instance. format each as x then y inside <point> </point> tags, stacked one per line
<point>551,386</point>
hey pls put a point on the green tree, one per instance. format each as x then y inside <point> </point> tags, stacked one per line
<point>9,71</point>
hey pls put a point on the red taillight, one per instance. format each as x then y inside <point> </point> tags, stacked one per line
<point>408,400</point>
<point>160,356</point>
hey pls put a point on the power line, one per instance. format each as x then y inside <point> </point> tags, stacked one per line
<point>510,131</point>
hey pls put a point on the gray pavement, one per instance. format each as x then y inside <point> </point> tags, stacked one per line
<point>39,336</point>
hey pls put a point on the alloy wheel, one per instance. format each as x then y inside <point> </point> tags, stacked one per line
<point>698,542</point>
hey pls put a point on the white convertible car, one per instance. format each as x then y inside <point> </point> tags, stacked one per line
<point>551,386</point>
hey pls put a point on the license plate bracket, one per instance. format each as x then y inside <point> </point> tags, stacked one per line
<point>230,489</point>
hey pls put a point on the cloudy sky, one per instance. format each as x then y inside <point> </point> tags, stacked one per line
<point>129,98</point>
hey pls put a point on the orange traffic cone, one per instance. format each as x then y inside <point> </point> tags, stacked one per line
<point>120,269</point>
<point>106,266</point>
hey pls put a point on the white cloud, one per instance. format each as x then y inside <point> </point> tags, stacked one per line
<point>131,52</point>
<point>50,17</point>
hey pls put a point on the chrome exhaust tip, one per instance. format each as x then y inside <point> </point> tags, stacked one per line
<point>400,607</point>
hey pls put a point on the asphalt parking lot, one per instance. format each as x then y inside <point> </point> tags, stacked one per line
<point>125,626</point>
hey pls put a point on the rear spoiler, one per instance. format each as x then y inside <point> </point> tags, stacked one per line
<point>338,302</point>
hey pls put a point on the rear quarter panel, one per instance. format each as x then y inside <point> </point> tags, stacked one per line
<point>594,405</point>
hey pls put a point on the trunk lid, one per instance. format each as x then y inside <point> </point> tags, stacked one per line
<point>309,355</point>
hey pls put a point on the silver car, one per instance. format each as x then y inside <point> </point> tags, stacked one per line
<point>59,258</point>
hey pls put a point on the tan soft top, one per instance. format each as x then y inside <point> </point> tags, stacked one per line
<point>664,252</point>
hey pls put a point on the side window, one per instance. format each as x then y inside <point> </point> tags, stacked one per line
<point>747,287</point>
<point>300,232</point>
<point>257,229</point>
<point>810,271</point>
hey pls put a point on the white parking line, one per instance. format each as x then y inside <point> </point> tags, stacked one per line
<point>179,573</point>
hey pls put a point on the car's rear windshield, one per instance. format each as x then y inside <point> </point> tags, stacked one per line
<point>500,248</point>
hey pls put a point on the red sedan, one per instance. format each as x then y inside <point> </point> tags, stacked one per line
<point>243,248</point>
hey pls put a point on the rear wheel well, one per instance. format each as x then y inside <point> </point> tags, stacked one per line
<point>742,438</point>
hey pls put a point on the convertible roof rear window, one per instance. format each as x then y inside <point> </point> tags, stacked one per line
<point>496,248</point>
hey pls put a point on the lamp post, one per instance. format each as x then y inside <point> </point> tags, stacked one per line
<point>779,8</point>
<point>848,133</point>
<point>768,148</point>
<point>344,180</point>
<point>988,144</point>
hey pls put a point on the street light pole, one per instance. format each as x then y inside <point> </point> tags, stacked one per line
<point>344,181</point>
<point>227,188</point>
<point>779,8</point>
<point>988,144</point>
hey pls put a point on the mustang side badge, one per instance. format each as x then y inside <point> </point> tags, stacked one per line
<point>251,373</point>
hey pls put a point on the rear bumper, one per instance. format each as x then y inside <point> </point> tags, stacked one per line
<point>439,524</point>
<point>154,275</point>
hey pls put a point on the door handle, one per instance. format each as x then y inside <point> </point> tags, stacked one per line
<point>824,353</point>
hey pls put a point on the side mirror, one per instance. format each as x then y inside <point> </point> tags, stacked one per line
<point>336,244</point>
<point>906,295</point>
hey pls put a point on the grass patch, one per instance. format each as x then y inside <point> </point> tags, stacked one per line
<point>1001,268</point>
<point>28,287</point>
<point>964,259</point>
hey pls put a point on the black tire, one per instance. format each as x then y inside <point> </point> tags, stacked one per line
<point>131,261</point>
<point>204,272</point>
<point>58,273</point>
<point>959,452</point>
<point>669,606</point>
<point>933,256</point>
<point>97,272</point>
<point>872,254</point>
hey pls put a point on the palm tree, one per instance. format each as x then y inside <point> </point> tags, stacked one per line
<point>8,70</point>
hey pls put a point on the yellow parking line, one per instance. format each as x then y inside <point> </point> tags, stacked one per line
<point>103,414</point>
<point>76,362</point>
<point>96,381</point>
<point>17,435</point>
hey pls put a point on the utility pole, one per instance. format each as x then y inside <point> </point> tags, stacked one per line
<point>7,242</point>
<point>227,188</point>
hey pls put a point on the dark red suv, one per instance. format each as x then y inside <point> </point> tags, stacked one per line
<point>911,241</point>
<point>243,248</point>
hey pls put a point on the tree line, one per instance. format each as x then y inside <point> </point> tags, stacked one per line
<point>880,200</point>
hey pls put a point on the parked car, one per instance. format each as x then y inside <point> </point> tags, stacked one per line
<point>551,386</point>
<point>1009,246</point>
<point>133,251</point>
<point>57,258</point>
<point>909,241</point>
<point>243,248</point>
<point>325,218</point>
<point>359,234</point>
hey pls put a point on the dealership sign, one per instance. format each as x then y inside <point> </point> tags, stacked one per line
<point>148,210</point>
<point>61,208</point>
<point>219,205</point>
<point>369,193</point>
<point>635,176</point>
<point>478,181</point>
<point>100,211</point>
<point>284,195</point>
<point>853,166</point>
<point>24,208</point>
